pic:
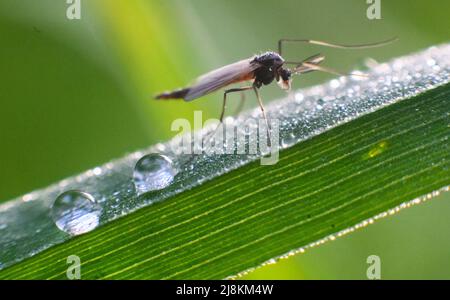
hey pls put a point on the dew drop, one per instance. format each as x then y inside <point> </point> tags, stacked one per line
<point>153,172</point>
<point>299,97</point>
<point>335,83</point>
<point>75,212</point>
<point>289,140</point>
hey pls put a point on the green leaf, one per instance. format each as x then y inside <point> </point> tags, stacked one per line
<point>322,187</point>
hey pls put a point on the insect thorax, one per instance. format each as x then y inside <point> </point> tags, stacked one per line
<point>270,62</point>
<point>269,59</point>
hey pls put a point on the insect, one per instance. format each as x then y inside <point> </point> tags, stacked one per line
<point>260,70</point>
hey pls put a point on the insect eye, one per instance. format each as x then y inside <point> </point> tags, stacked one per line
<point>285,74</point>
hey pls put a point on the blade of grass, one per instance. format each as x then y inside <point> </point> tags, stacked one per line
<point>251,215</point>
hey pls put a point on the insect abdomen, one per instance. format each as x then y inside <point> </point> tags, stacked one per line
<point>178,94</point>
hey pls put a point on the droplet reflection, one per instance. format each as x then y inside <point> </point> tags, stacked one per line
<point>75,212</point>
<point>153,172</point>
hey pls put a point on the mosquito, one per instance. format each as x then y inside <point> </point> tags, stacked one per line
<point>260,70</point>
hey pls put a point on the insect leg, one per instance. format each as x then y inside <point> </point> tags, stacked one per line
<point>263,113</point>
<point>315,59</point>
<point>241,104</point>
<point>242,89</point>
<point>224,105</point>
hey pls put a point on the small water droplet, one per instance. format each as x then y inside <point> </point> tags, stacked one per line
<point>289,140</point>
<point>97,171</point>
<point>299,97</point>
<point>335,83</point>
<point>431,62</point>
<point>153,172</point>
<point>75,212</point>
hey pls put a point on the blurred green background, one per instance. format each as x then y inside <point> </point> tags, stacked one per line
<point>77,93</point>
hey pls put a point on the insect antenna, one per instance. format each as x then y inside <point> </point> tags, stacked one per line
<point>333,45</point>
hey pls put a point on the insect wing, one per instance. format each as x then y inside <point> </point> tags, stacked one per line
<point>216,79</point>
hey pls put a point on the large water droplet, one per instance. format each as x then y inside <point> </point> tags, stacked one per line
<point>75,212</point>
<point>153,172</point>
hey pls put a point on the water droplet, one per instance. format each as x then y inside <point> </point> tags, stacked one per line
<point>97,171</point>
<point>335,83</point>
<point>299,97</point>
<point>289,140</point>
<point>153,172</point>
<point>75,212</point>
